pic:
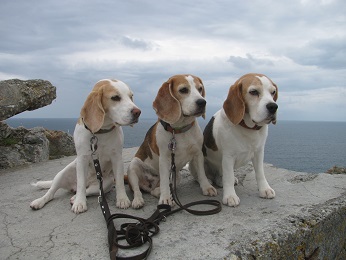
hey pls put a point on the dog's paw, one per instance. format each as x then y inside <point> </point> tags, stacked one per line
<point>37,204</point>
<point>209,191</point>
<point>79,207</point>
<point>231,201</point>
<point>166,200</point>
<point>267,193</point>
<point>137,202</point>
<point>123,203</point>
<point>72,199</point>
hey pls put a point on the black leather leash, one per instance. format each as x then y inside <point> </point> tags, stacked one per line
<point>140,232</point>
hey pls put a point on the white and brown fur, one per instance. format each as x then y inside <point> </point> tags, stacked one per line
<point>109,106</point>
<point>229,143</point>
<point>179,101</point>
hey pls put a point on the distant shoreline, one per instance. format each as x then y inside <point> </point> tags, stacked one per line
<point>304,146</point>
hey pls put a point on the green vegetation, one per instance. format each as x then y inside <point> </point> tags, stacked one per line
<point>9,141</point>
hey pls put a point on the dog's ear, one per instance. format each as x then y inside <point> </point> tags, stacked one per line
<point>234,105</point>
<point>275,98</point>
<point>203,92</point>
<point>92,111</point>
<point>276,92</point>
<point>166,106</point>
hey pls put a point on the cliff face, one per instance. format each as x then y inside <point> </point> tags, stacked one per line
<point>22,146</point>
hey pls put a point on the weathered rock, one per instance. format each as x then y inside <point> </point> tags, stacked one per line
<point>20,146</point>
<point>17,96</point>
<point>60,144</point>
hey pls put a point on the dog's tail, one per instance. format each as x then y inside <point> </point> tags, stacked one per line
<point>42,184</point>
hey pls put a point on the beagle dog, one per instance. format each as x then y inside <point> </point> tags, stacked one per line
<point>108,107</point>
<point>178,103</point>
<point>237,134</point>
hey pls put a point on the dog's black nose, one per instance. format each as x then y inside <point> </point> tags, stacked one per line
<point>272,107</point>
<point>201,103</point>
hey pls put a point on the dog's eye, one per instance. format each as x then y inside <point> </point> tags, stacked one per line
<point>254,92</point>
<point>184,90</point>
<point>200,89</point>
<point>116,98</point>
<point>273,93</point>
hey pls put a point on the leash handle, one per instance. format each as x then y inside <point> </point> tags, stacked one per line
<point>141,232</point>
<point>173,188</point>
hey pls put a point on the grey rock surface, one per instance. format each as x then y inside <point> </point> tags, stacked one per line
<point>306,219</point>
<point>17,96</point>
<point>21,146</point>
<point>60,144</point>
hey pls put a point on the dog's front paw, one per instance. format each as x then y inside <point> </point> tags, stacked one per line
<point>209,191</point>
<point>232,200</point>
<point>37,204</point>
<point>137,202</point>
<point>166,200</point>
<point>267,193</point>
<point>123,203</point>
<point>79,206</point>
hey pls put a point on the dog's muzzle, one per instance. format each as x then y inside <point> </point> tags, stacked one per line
<point>200,104</point>
<point>272,107</point>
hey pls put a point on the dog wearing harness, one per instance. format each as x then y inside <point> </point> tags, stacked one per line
<point>179,101</point>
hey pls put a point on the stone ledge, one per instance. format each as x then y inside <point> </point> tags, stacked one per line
<point>306,220</point>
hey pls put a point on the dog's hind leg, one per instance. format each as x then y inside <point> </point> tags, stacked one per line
<point>66,179</point>
<point>197,170</point>
<point>134,167</point>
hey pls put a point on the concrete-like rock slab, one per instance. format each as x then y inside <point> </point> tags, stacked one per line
<point>306,219</point>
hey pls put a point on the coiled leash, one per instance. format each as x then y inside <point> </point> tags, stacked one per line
<point>141,231</point>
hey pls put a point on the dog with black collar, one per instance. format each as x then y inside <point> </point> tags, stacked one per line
<point>237,134</point>
<point>179,101</point>
<point>108,107</point>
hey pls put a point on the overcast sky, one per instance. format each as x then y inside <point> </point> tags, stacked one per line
<point>299,44</point>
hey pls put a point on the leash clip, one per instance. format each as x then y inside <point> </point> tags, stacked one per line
<point>93,144</point>
<point>172,143</point>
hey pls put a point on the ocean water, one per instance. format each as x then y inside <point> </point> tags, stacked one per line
<point>299,146</point>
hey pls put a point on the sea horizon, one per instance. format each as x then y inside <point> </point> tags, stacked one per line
<point>303,146</point>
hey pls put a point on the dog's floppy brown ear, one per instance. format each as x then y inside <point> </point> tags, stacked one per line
<point>276,92</point>
<point>234,105</point>
<point>203,92</point>
<point>166,106</point>
<point>275,98</point>
<point>92,111</point>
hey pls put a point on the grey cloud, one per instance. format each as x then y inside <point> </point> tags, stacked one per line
<point>137,43</point>
<point>325,53</point>
<point>37,35</point>
<point>249,62</point>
